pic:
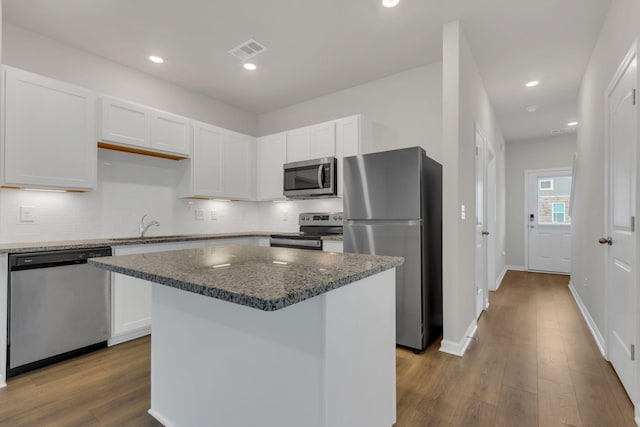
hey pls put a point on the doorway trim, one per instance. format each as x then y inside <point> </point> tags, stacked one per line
<point>527,174</point>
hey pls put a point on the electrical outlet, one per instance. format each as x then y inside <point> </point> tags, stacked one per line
<point>27,214</point>
<point>199,214</point>
<point>214,215</point>
<point>285,216</point>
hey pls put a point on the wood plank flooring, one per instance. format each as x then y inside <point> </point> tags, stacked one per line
<point>532,363</point>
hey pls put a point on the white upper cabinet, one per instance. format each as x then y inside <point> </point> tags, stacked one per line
<point>139,126</point>
<point>323,140</point>
<point>169,132</point>
<point>311,142</point>
<point>49,133</point>
<point>124,122</point>
<point>272,155</point>
<point>298,142</point>
<point>351,133</point>
<point>222,165</point>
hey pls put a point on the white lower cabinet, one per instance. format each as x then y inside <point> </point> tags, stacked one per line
<point>131,297</point>
<point>332,246</point>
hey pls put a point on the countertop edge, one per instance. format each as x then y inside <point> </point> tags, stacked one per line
<point>252,302</point>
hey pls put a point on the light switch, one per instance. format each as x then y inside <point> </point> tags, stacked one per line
<point>214,215</point>
<point>463,213</point>
<point>27,214</point>
<point>199,215</point>
<point>285,216</point>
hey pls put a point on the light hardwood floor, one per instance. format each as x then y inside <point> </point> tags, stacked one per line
<point>532,363</point>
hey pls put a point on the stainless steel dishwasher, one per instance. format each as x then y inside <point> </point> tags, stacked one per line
<point>59,307</point>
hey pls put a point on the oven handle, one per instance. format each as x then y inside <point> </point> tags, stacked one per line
<point>295,242</point>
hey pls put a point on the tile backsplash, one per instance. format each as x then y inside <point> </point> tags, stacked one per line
<point>130,186</point>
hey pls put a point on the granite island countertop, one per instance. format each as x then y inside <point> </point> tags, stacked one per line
<point>264,278</point>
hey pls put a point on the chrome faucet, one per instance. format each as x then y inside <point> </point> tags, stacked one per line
<point>143,228</point>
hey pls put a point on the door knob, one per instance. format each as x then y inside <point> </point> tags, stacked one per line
<point>485,233</point>
<point>606,241</point>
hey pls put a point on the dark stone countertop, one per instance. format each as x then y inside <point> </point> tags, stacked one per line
<point>264,278</point>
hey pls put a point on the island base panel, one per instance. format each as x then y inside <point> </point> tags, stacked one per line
<point>328,361</point>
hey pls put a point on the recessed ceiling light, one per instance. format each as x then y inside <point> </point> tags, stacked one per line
<point>532,108</point>
<point>572,124</point>
<point>249,66</point>
<point>156,59</point>
<point>390,3</point>
<point>532,83</point>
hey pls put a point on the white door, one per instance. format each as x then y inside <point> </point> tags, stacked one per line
<point>548,221</point>
<point>481,232</point>
<point>272,154</point>
<point>491,223</point>
<point>620,242</point>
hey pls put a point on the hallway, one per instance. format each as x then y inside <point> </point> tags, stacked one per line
<point>532,362</point>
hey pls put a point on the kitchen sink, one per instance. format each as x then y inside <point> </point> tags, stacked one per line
<point>145,238</point>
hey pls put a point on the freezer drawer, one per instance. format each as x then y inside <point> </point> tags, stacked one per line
<point>396,239</point>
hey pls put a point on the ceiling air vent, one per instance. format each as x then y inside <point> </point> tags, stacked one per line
<point>563,130</point>
<point>247,50</point>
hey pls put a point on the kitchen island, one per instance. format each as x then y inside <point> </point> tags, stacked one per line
<point>248,336</point>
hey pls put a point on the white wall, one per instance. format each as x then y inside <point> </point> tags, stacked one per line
<point>621,27</point>
<point>42,55</point>
<point>542,153</point>
<point>465,102</point>
<point>406,109</point>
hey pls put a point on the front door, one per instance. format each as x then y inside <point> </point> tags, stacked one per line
<point>620,242</point>
<point>548,221</point>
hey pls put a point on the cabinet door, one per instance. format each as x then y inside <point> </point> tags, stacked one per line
<point>207,160</point>
<point>125,122</point>
<point>169,132</point>
<point>237,166</point>
<point>323,141</point>
<point>131,297</point>
<point>49,135</point>
<point>272,154</point>
<point>347,143</point>
<point>298,142</point>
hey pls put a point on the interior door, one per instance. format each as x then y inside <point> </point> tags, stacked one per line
<point>620,243</point>
<point>548,222</point>
<point>481,232</point>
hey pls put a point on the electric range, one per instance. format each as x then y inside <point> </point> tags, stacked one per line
<point>313,226</point>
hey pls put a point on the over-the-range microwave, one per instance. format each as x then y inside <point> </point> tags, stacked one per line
<point>311,178</point>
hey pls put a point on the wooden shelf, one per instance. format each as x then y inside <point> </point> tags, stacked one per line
<point>109,146</point>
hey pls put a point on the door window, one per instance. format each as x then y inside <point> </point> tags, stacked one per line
<point>553,200</point>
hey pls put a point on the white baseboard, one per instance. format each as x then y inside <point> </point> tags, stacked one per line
<point>515,267</point>
<point>496,286</point>
<point>590,323</point>
<point>458,348</point>
<point>637,419</point>
<point>160,418</point>
<point>119,339</point>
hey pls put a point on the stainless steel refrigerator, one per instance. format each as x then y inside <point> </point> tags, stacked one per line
<point>393,206</point>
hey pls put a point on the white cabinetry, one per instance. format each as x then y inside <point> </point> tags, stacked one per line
<point>332,246</point>
<point>311,142</point>
<point>351,132</point>
<point>222,166</point>
<point>272,155</point>
<point>49,129</point>
<point>131,297</point>
<point>137,126</point>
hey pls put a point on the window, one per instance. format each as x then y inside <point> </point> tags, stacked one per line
<point>545,184</point>
<point>558,210</point>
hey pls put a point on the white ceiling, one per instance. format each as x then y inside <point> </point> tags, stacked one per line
<point>319,47</point>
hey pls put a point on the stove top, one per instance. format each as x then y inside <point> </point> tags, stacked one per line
<point>315,225</point>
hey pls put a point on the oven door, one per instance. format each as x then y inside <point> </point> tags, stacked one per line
<point>283,242</point>
<point>311,178</point>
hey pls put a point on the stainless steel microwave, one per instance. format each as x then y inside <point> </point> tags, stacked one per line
<point>311,178</point>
